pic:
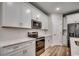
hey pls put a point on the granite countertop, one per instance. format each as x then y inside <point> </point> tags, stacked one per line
<point>75,40</point>
<point>45,35</point>
<point>8,42</point>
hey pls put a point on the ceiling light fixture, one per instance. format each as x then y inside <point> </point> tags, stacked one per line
<point>28,11</point>
<point>57,9</point>
<point>38,16</point>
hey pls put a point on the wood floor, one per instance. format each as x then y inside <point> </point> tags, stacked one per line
<point>57,51</point>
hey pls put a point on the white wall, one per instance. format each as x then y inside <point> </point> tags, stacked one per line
<point>56,20</point>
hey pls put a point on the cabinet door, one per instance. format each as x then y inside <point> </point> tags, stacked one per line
<point>26,15</point>
<point>22,49</point>
<point>35,13</point>
<point>30,50</point>
<point>46,23</point>
<point>11,14</point>
<point>44,19</point>
<point>39,16</point>
<point>48,40</point>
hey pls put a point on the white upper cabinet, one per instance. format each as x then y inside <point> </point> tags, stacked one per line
<point>35,13</point>
<point>40,16</point>
<point>26,16</point>
<point>19,14</point>
<point>73,18</point>
<point>16,14</point>
<point>45,22</point>
<point>11,14</point>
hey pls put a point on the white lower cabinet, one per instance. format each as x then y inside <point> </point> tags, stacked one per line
<point>48,40</point>
<point>22,49</point>
<point>29,51</point>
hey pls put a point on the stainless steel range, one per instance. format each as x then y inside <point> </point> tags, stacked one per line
<point>40,45</point>
<point>40,42</point>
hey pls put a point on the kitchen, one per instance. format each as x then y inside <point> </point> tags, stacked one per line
<point>28,30</point>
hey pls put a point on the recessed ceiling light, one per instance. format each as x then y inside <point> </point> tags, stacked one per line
<point>28,11</point>
<point>38,16</point>
<point>57,9</point>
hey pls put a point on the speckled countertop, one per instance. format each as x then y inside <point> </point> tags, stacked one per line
<point>8,42</point>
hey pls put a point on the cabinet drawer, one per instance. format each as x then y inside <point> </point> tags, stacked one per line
<point>28,50</point>
<point>19,52</point>
<point>11,48</point>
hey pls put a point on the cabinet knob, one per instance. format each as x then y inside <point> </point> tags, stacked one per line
<point>54,34</point>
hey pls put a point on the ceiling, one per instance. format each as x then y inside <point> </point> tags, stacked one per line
<point>50,7</point>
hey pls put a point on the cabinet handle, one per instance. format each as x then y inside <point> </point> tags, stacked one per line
<point>48,40</point>
<point>15,47</point>
<point>24,51</point>
<point>20,23</point>
<point>54,34</point>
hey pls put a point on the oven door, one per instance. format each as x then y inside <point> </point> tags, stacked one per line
<point>40,47</point>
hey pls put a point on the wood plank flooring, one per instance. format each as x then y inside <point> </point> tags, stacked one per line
<point>57,51</point>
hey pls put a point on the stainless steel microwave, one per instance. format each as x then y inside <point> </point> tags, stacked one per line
<point>36,24</point>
